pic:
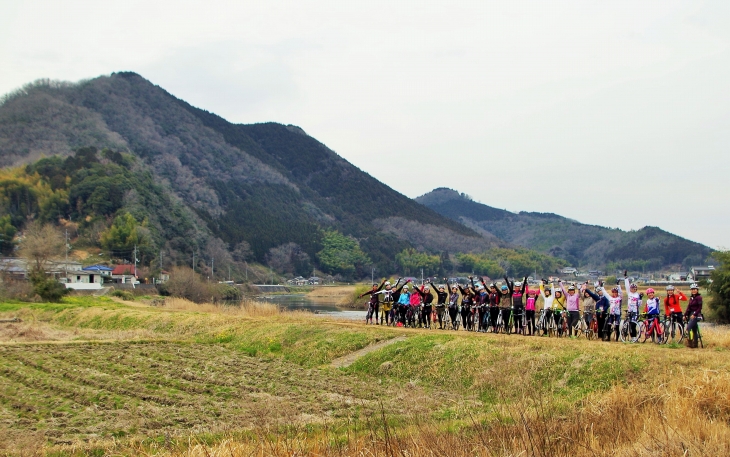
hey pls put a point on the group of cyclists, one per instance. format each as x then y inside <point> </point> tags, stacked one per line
<point>570,310</point>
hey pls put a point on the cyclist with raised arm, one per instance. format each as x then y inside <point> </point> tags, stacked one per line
<point>530,309</point>
<point>573,305</point>
<point>589,305</point>
<point>466,300</point>
<point>373,303</point>
<point>493,309</point>
<point>558,308</point>
<point>602,308</point>
<point>505,304</point>
<point>441,297</point>
<point>614,312</point>
<point>633,305</point>
<point>693,313</point>
<point>388,292</point>
<point>482,303</point>
<point>404,302</point>
<point>427,298</point>
<point>548,300</point>
<point>517,291</point>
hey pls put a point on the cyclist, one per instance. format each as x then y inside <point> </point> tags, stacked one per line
<point>548,300</point>
<point>404,302</point>
<point>634,303</point>
<point>589,305</point>
<point>387,303</point>
<point>573,305</point>
<point>442,296</point>
<point>427,298</point>
<point>693,313</point>
<point>454,303</point>
<point>414,311</point>
<point>652,309</point>
<point>374,303</point>
<point>505,303</point>
<point>672,306</point>
<point>614,312</point>
<point>602,307</point>
<point>517,291</point>
<point>558,308</point>
<point>494,298</point>
<point>478,309</point>
<point>530,309</point>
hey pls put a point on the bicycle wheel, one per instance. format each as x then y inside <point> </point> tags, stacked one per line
<point>647,332</point>
<point>673,332</point>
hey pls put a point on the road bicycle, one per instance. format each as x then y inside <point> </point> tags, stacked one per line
<point>562,324</point>
<point>580,328</point>
<point>651,329</point>
<point>611,328</point>
<point>626,332</point>
<point>673,330</point>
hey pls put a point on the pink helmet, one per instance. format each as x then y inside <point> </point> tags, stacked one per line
<point>650,291</point>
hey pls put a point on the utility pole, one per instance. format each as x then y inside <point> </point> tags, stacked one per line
<point>372,275</point>
<point>229,273</point>
<point>193,261</point>
<point>135,261</point>
<point>66,249</point>
<point>421,276</point>
<point>212,268</point>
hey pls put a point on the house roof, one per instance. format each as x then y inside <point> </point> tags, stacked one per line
<point>127,269</point>
<point>97,268</point>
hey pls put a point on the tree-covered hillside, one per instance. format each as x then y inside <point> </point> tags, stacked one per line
<point>580,244</point>
<point>263,192</point>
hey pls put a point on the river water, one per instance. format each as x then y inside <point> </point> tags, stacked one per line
<point>299,302</point>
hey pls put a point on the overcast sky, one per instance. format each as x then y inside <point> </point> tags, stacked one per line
<point>612,113</point>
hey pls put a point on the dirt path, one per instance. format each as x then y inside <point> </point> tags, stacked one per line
<point>349,359</point>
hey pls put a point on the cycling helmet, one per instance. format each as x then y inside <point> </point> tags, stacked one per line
<point>670,287</point>
<point>694,286</point>
<point>387,283</point>
<point>571,287</point>
<point>518,284</point>
<point>615,289</point>
<point>633,286</point>
<point>504,287</point>
<point>426,288</point>
<point>650,291</point>
<point>492,286</point>
<point>599,289</point>
<point>405,287</point>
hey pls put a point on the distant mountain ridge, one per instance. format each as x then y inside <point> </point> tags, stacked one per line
<point>580,244</point>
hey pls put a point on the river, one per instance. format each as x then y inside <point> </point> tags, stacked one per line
<point>299,302</point>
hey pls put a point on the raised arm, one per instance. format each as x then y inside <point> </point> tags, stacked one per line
<point>560,283</point>
<point>592,294</point>
<point>510,285</point>
<point>524,286</point>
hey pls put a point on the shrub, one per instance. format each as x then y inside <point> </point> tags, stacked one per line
<point>123,294</point>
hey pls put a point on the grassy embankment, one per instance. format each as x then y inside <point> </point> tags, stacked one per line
<point>98,376</point>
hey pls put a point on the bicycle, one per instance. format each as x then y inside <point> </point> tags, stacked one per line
<point>562,325</point>
<point>511,320</point>
<point>625,331</point>
<point>580,328</point>
<point>611,327</point>
<point>673,330</point>
<point>500,322</point>
<point>651,330</point>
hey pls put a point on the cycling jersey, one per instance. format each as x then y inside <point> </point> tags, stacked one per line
<point>548,299</point>
<point>695,306</point>
<point>573,300</point>
<point>614,303</point>
<point>404,299</point>
<point>671,303</point>
<point>530,304</point>
<point>634,298</point>
<point>652,306</point>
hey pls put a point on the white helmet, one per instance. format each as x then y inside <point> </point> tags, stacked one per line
<point>694,286</point>
<point>518,284</point>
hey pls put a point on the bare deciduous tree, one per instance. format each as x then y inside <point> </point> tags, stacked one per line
<point>41,244</point>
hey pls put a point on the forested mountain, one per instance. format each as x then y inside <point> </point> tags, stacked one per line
<point>582,245</point>
<point>194,183</point>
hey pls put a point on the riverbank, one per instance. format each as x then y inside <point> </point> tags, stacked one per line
<point>95,376</point>
<point>342,296</point>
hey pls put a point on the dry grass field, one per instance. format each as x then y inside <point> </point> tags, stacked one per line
<point>98,377</point>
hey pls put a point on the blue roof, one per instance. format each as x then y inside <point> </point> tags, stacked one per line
<point>97,268</point>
